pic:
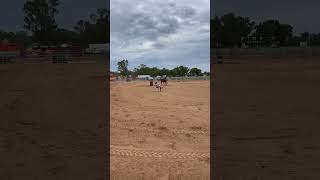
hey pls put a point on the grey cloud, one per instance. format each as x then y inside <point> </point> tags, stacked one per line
<point>156,33</point>
<point>158,45</point>
<point>193,41</point>
<point>171,4</point>
<point>186,12</point>
<point>135,51</point>
<point>143,25</point>
<point>204,31</point>
<point>168,25</point>
<point>145,21</point>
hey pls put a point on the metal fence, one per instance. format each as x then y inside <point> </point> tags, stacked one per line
<point>278,52</point>
<point>177,78</point>
<point>48,59</point>
<point>190,78</point>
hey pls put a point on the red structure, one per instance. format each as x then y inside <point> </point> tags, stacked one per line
<point>8,51</point>
<point>8,47</point>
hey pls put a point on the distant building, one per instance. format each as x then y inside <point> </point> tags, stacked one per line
<point>304,44</point>
<point>144,77</point>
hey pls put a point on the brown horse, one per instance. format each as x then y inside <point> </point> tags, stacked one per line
<point>164,81</point>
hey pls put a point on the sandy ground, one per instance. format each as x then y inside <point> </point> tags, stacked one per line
<point>266,119</point>
<point>53,121</point>
<point>266,123</point>
<point>160,135</point>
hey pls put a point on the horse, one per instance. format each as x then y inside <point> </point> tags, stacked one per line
<point>164,81</point>
<point>157,86</point>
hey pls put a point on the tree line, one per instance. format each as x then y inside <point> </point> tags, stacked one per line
<point>230,30</point>
<point>226,31</point>
<point>40,20</point>
<point>143,69</point>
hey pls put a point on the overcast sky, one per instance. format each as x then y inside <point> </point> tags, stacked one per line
<point>301,14</point>
<point>165,33</point>
<point>70,11</point>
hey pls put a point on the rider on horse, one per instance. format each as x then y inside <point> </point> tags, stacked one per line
<point>158,87</point>
<point>163,80</point>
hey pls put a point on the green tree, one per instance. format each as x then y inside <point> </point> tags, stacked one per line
<point>216,31</point>
<point>123,68</point>
<point>164,71</point>
<point>81,26</point>
<point>233,28</point>
<point>142,70</point>
<point>179,71</point>
<point>284,33</point>
<point>102,25</point>
<point>154,71</point>
<point>272,31</point>
<point>314,39</point>
<point>206,73</point>
<point>95,30</point>
<point>172,72</point>
<point>195,72</point>
<point>66,36</point>
<point>7,36</point>
<point>40,19</point>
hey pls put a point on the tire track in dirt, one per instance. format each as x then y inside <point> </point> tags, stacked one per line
<point>174,130</point>
<point>117,151</point>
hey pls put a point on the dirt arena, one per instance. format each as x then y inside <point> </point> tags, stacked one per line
<point>52,121</point>
<point>160,135</point>
<point>266,119</point>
